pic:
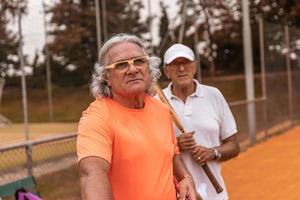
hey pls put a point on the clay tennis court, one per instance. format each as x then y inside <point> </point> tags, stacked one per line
<point>268,171</point>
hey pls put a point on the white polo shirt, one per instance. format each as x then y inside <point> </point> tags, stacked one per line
<point>207,113</point>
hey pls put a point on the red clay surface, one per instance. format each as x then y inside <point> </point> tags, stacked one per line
<point>268,171</point>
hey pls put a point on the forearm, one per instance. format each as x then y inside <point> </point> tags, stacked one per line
<point>186,187</point>
<point>179,168</point>
<point>229,148</point>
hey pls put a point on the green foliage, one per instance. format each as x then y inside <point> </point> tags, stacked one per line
<point>68,103</point>
<point>215,28</point>
<point>218,25</point>
<point>9,40</point>
<point>282,12</point>
<point>74,35</point>
<point>164,35</point>
<point>164,32</point>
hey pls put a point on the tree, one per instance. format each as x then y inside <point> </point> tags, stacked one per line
<point>165,36</point>
<point>74,36</point>
<point>214,22</point>
<point>276,14</point>
<point>9,60</point>
<point>282,12</point>
<point>165,33</point>
<point>218,26</point>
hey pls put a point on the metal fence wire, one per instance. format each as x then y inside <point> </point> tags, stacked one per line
<point>277,108</point>
<point>277,85</point>
<point>37,157</point>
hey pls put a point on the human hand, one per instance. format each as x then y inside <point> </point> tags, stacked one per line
<point>201,154</point>
<point>186,189</point>
<point>186,141</point>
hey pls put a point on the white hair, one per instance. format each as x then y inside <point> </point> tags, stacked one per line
<point>99,87</point>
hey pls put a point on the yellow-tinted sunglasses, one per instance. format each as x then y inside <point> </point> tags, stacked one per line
<point>138,62</point>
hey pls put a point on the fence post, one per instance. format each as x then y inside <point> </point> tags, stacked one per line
<point>263,74</point>
<point>248,65</point>
<point>289,74</point>
<point>29,159</point>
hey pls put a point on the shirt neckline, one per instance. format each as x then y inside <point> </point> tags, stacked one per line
<point>112,101</point>
<point>198,92</point>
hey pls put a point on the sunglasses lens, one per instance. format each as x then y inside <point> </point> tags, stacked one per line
<point>140,61</point>
<point>121,65</point>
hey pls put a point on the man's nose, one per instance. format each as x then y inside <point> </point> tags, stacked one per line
<point>181,66</point>
<point>132,67</point>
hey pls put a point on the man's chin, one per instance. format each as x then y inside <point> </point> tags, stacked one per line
<point>136,90</point>
<point>184,82</point>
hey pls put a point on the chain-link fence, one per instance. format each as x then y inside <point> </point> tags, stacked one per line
<point>282,61</point>
<point>277,85</point>
<point>276,111</point>
<point>38,157</point>
<point>277,106</point>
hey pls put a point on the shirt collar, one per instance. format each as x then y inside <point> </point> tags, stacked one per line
<point>199,89</point>
<point>198,92</point>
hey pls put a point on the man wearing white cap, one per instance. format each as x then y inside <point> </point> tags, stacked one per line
<point>209,124</point>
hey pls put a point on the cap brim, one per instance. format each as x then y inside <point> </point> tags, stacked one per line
<point>179,55</point>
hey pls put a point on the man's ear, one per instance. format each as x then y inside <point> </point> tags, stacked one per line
<point>166,72</point>
<point>107,79</point>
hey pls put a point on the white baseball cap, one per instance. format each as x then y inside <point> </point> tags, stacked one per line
<point>176,51</point>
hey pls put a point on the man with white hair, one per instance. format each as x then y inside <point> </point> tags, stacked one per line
<point>126,146</point>
<point>209,124</point>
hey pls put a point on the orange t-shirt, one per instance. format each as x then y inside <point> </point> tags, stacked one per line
<point>139,144</point>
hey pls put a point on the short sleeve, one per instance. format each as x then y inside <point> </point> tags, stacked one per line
<point>94,135</point>
<point>227,121</point>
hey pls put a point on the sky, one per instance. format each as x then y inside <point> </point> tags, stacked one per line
<point>33,28</point>
<point>33,24</point>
